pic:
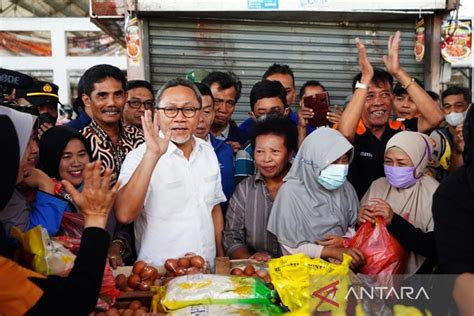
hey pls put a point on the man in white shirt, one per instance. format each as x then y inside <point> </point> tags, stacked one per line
<point>171,185</point>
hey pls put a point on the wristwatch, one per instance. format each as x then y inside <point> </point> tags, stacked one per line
<point>360,85</point>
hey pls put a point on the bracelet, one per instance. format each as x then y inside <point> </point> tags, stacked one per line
<point>409,83</point>
<point>121,243</point>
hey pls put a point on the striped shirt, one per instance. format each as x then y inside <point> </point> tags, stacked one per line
<point>247,217</point>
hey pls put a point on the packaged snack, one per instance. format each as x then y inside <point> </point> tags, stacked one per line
<point>228,310</point>
<point>205,289</point>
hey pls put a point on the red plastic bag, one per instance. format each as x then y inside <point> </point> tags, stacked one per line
<point>384,256</point>
<point>72,225</point>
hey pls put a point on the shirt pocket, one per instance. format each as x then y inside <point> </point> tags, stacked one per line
<point>170,197</point>
<point>209,188</point>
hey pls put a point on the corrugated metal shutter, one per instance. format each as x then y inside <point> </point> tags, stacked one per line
<point>324,52</point>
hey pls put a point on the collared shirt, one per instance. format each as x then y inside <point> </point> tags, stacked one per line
<point>247,218</point>
<point>112,155</point>
<point>177,213</point>
<point>369,151</point>
<point>225,133</point>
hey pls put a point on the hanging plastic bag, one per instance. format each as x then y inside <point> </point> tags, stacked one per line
<point>384,256</point>
<point>72,225</point>
<point>48,256</point>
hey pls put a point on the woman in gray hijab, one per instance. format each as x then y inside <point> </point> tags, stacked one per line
<point>316,207</point>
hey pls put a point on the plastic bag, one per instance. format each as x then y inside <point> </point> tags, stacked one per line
<point>384,256</point>
<point>48,256</point>
<point>306,285</point>
<point>230,310</point>
<point>72,225</point>
<point>205,289</point>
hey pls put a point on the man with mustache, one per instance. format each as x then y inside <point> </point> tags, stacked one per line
<point>104,96</point>
<point>366,120</point>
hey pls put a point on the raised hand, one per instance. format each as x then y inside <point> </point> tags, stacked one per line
<point>392,60</point>
<point>365,66</point>
<point>459,139</point>
<point>335,117</point>
<point>154,143</point>
<point>96,199</point>
<point>304,114</point>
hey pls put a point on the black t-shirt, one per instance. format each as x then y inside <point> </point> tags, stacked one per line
<point>367,165</point>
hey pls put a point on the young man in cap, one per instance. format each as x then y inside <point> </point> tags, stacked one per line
<point>44,97</point>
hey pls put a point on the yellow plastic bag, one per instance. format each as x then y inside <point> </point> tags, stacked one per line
<point>48,256</point>
<point>306,284</point>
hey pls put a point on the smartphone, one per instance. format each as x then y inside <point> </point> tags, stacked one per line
<point>320,105</point>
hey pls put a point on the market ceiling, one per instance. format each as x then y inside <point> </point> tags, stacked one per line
<point>44,8</point>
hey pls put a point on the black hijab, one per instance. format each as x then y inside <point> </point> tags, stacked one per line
<point>8,171</point>
<point>10,160</point>
<point>52,145</point>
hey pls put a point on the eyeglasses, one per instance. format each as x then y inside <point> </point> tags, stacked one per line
<point>135,104</point>
<point>172,112</point>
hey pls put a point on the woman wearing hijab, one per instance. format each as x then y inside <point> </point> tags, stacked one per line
<point>453,212</point>
<point>64,153</point>
<point>18,211</point>
<point>25,292</point>
<point>404,199</point>
<point>316,203</point>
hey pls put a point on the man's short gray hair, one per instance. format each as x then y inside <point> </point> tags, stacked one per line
<point>178,82</point>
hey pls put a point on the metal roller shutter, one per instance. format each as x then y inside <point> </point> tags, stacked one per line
<point>320,51</point>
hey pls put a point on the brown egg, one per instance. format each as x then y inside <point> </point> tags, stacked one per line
<point>249,270</point>
<point>121,282</point>
<point>135,305</point>
<point>184,262</point>
<point>144,308</point>
<point>262,273</point>
<point>236,271</point>
<point>128,312</point>
<point>113,312</point>
<point>171,264</point>
<point>134,281</point>
<point>129,289</point>
<point>169,274</point>
<point>197,261</point>
<point>193,270</point>
<point>140,312</point>
<point>145,285</point>
<point>267,279</point>
<point>138,266</point>
<point>148,272</point>
<point>180,271</point>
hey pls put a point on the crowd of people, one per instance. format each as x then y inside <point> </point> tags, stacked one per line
<point>155,175</point>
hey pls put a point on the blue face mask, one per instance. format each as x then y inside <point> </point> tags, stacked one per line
<point>333,176</point>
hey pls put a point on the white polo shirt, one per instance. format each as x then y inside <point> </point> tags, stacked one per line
<point>177,215</point>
